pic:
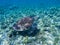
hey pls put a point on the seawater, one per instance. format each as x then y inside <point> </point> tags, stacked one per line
<point>31,3</point>
<point>48,22</point>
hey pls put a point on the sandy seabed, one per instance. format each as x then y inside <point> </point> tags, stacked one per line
<point>48,24</point>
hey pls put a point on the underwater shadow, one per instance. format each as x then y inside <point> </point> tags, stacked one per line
<point>30,33</point>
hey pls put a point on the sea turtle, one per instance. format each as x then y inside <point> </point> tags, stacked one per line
<point>25,23</point>
<point>26,26</point>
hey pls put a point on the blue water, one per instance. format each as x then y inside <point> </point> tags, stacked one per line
<point>31,3</point>
<point>46,21</point>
